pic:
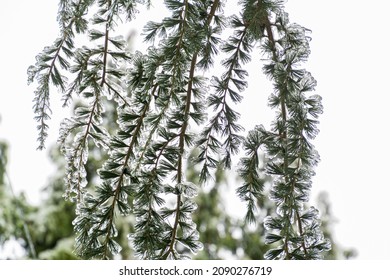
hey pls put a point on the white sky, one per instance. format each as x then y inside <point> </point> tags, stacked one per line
<point>349,60</point>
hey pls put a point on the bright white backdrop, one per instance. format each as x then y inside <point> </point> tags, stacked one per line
<point>349,60</point>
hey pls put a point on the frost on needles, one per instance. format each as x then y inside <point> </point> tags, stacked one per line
<point>168,103</point>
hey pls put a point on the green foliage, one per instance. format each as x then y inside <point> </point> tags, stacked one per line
<point>291,157</point>
<point>158,96</point>
<point>14,210</point>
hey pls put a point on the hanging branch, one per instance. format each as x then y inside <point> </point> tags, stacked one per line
<point>178,121</point>
<point>291,157</point>
<point>46,70</point>
<point>224,121</point>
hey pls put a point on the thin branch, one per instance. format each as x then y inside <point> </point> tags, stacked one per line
<point>181,148</point>
<point>119,183</point>
<point>105,49</point>
<point>283,134</point>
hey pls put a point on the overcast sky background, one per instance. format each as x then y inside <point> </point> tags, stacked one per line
<point>349,60</point>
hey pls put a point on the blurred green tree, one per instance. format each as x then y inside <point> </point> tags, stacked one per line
<point>14,212</point>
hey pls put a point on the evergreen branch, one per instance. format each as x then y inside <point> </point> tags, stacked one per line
<point>210,16</point>
<point>300,231</point>
<point>209,48</point>
<point>105,48</point>
<point>42,94</point>
<point>166,254</point>
<point>176,61</point>
<point>65,44</point>
<point>253,185</point>
<point>111,218</point>
<point>117,93</point>
<point>78,154</point>
<point>136,134</point>
<point>283,134</point>
<point>223,122</point>
<point>181,149</point>
<point>149,139</point>
<point>129,155</point>
<point>105,53</point>
<point>295,155</point>
<point>82,56</point>
<point>182,135</point>
<point>84,141</point>
<point>41,106</point>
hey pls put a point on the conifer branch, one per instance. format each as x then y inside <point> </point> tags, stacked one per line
<point>290,156</point>
<point>105,48</point>
<point>181,149</point>
<point>283,134</point>
<point>46,73</point>
<point>224,121</point>
<point>117,189</point>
